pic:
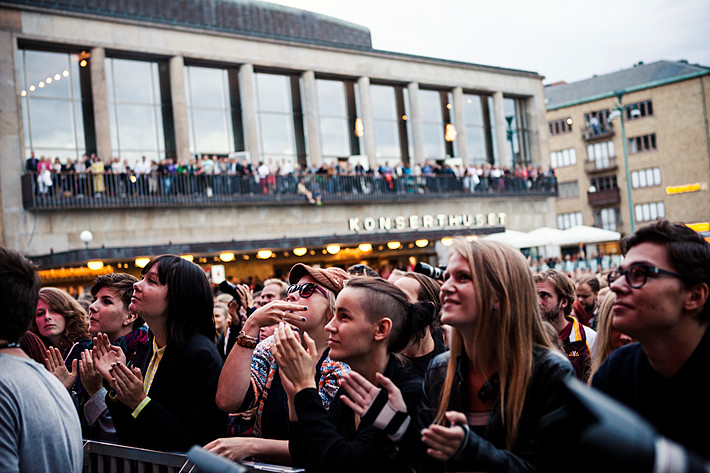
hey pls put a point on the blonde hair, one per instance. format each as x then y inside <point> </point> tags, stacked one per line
<point>75,317</point>
<point>603,347</point>
<point>508,315</point>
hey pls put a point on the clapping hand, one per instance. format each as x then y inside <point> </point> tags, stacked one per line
<point>55,365</point>
<point>361,393</point>
<point>128,384</point>
<point>443,442</point>
<point>104,356</point>
<point>296,363</point>
<point>91,379</point>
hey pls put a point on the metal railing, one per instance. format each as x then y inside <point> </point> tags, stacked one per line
<point>86,191</point>
<point>102,457</point>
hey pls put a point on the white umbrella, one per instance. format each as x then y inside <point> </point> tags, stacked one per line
<point>515,239</point>
<point>583,234</point>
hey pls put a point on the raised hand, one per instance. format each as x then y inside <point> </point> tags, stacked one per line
<point>361,393</point>
<point>443,441</point>
<point>295,362</point>
<point>128,384</point>
<point>55,365</point>
<point>91,379</point>
<point>104,356</point>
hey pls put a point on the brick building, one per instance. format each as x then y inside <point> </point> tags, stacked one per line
<point>664,107</point>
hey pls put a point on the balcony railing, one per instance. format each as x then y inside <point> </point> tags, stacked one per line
<point>604,197</point>
<point>87,191</point>
<point>598,132</point>
<point>600,165</point>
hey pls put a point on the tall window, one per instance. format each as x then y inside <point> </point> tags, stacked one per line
<point>560,127</point>
<point>639,144</point>
<point>275,110</point>
<point>209,111</point>
<point>649,211</point>
<point>433,123</point>
<point>646,177</point>
<point>608,218</point>
<point>386,118</point>
<point>478,129</point>
<point>333,118</point>
<point>638,110</point>
<point>568,190</point>
<point>517,131</point>
<point>600,153</point>
<point>137,111</point>
<point>53,105</point>
<point>565,221</point>
<point>562,158</point>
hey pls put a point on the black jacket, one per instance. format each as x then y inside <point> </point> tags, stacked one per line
<point>488,452</point>
<point>327,441</point>
<point>182,411</point>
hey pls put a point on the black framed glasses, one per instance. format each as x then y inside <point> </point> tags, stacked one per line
<point>637,274</point>
<point>306,289</point>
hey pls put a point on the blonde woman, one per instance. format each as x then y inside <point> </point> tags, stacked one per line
<point>608,338</point>
<point>484,400</point>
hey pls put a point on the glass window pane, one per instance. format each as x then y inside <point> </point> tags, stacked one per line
<point>137,127</point>
<point>133,81</point>
<point>212,132</point>
<point>639,212</point>
<point>635,179</point>
<point>476,140</point>
<point>52,123</point>
<point>473,112</point>
<point>334,134</point>
<point>572,156</point>
<point>331,98</point>
<point>386,140</point>
<point>565,157</point>
<point>433,137</point>
<point>654,211</point>
<point>430,107</point>
<point>276,131</point>
<point>661,210</point>
<point>207,87</point>
<point>646,212</point>
<point>45,71</point>
<point>642,179</point>
<point>383,102</point>
<point>553,160</point>
<point>590,152</point>
<point>657,176</point>
<point>273,93</point>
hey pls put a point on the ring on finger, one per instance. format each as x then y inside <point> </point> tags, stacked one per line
<point>283,314</point>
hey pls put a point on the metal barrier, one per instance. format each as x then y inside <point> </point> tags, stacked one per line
<point>86,191</point>
<point>100,457</point>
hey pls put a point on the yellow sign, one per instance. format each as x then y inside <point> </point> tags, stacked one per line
<point>699,227</point>
<point>684,189</point>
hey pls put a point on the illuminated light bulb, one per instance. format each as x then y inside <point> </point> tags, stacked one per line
<point>49,80</point>
<point>264,254</point>
<point>404,117</point>
<point>246,257</point>
<point>142,262</point>
<point>365,247</point>
<point>300,251</point>
<point>23,93</point>
<point>57,76</point>
<point>95,265</point>
<point>359,128</point>
<point>471,238</point>
<point>188,257</point>
<point>41,85</point>
<point>569,121</point>
<point>65,73</point>
<point>32,88</point>
<point>394,245</point>
<point>447,241</point>
<point>421,243</point>
<point>83,63</point>
<point>448,106</point>
<point>333,249</point>
<point>227,256</point>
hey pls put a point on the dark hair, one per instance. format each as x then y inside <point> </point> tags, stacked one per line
<point>362,270</point>
<point>19,292</point>
<point>122,284</point>
<point>428,292</point>
<point>687,251</point>
<point>564,287</point>
<point>591,281</point>
<point>387,300</point>
<point>190,300</point>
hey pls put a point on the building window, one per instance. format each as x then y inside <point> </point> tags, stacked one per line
<point>141,121</point>
<point>600,153</point>
<point>568,190</point>
<point>639,144</point>
<point>275,99</point>
<point>596,123</point>
<point>638,110</point>
<point>604,183</point>
<point>433,123</point>
<point>568,220</point>
<point>562,158</point>
<point>608,219</point>
<point>56,103</point>
<point>333,118</point>
<point>560,127</point>
<point>646,178</point>
<point>517,132</point>
<point>478,129</point>
<point>389,110</point>
<point>649,211</point>
<point>209,110</point>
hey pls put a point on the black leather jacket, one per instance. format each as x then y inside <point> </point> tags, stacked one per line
<point>488,452</point>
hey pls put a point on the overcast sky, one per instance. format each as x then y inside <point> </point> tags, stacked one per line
<point>561,39</point>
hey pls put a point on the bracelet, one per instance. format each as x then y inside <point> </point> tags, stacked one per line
<point>246,341</point>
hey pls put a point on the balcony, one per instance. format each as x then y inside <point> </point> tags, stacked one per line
<point>602,131</point>
<point>127,190</point>
<point>600,165</point>
<point>604,197</point>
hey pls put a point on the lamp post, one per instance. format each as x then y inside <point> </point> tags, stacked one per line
<point>509,134</point>
<point>620,110</point>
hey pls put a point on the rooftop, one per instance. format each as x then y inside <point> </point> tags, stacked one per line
<point>640,76</point>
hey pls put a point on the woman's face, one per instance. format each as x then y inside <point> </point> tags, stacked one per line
<point>50,324</point>
<point>317,303</point>
<point>350,333</point>
<point>458,296</point>
<point>220,319</point>
<point>108,315</point>
<point>618,339</point>
<point>150,297</point>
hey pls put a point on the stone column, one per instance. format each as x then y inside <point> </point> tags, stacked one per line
<point>249,119</point>
<point>310,112</point>
<point>99,92</point>
<point>415,120</point>
<point>502,146</point>
<point>368,121</point>
<point>460,123</point>
<point>178,97</point>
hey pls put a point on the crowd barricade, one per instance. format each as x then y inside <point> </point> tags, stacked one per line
<point>120,190</point>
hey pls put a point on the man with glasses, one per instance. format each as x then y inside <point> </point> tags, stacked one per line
<point>662,301</point>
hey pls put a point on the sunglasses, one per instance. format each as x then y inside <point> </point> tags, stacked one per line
<point>637,274</point>
<point>306,290</point>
